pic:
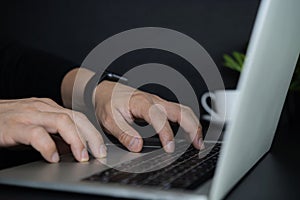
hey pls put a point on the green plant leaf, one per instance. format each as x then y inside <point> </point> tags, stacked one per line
<point>231,63</point>
<point>295,86</point>
<point>239,57</point>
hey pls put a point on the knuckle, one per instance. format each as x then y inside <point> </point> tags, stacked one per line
<point>70,113</point>
<point>64,122</point>
<point>48,100</point>
<point>36,104</point>
<point>28,105</point>
<point>174,106</point>
<point>47,146</point>
<point>158,98</point>
<point>33,99</point>
<point>186,110</point>
<point>36,133</point>
<point>140,103</point>
<point>63,118</point>
<point>140,97</point>
<point>107,121</point>
<point>80,115</point>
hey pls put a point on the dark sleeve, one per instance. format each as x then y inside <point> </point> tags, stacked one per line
<point>28,73</point>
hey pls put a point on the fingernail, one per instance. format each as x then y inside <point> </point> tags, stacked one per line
<point>55,157</point>
<point>84,155</point>
<point>102,151</point>
<point>201,144</point>
<point>170,147</point>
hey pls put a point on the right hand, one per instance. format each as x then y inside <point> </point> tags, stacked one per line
<point>30,121</point>
<point>118,105</point>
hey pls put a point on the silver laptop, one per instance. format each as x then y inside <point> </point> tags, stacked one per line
<point>269,65</point>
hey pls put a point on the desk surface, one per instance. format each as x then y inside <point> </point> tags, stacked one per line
<point>276,176</point>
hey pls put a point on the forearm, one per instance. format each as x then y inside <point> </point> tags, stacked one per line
<point>73,95</point>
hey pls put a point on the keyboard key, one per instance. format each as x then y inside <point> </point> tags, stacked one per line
<point>187,172</point>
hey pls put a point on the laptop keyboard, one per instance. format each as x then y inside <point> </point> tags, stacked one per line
<point>187,172</point>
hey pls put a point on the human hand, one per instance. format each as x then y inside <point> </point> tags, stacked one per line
<point>118,105</point>
<point>29,122</point>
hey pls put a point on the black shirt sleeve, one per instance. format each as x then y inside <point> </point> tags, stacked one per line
<point>28,73</point>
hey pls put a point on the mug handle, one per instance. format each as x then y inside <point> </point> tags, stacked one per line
<point>206,107</point>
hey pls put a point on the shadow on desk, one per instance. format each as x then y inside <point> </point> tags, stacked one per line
<point>16,156</point>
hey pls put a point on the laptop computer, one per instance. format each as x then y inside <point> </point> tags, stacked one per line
<point>271,57</point>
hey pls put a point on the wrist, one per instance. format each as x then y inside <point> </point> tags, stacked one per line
<point>97,83</point>
<point>101,90</point>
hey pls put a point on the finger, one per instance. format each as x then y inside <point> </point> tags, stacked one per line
<point>91,135</point>
<point>186,118</point>
<point>63,124</point>
<point>154,114</point>
<point>87,132</point>
<point>118,127</point>
<point>191,125</point>
<point>38,138</point>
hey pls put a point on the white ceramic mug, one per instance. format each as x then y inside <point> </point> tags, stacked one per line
<point>222,102</point>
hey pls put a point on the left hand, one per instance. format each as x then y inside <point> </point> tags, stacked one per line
<point>118,105</point>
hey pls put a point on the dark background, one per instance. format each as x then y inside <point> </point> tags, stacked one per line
<point>72,28</point>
